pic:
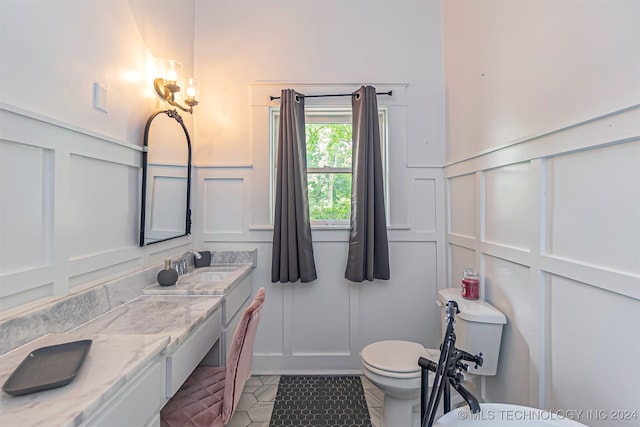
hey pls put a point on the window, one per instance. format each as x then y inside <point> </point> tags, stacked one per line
<point>329,152</point>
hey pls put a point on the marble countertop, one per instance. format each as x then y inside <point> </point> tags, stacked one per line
<point>124,341</point>
<point>111,362</point>
<point>173,316</point>
<point>225,278</point>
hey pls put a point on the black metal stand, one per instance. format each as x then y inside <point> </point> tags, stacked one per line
<point>448,373</point>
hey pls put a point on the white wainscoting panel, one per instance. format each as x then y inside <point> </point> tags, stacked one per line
<point>103,196</point>
<point>320,311</point>
<point>460,259</point>
<point>19,292</point>
<point>594,345</point>
<point>593,209</point>
<point>507,205</point>
<point>224,205</point>
<point>322,326</point>
<point>558,246</point>
<point>270,341</point>
<point>403,307</point>
<point>424,193</point>
<point>508,288</point>
<point>70,210</point>
<point>25,197</point>
<point>462,205</point>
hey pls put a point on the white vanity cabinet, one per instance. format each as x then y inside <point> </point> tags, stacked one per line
<point>120,383</point>
<point>233,305</point>
<point>189,326</point>
<point>182,361</point>
<point>137,404</point>
<point>142,352</point>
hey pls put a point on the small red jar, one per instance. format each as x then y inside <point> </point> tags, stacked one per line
<point>470,284</point>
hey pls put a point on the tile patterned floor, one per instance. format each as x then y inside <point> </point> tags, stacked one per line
<point>256,403</point>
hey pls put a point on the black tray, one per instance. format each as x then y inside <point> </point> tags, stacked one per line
<point>47,367</point>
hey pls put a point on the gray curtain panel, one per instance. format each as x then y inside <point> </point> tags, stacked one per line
<point>292,252</point>
<point>368,245</point>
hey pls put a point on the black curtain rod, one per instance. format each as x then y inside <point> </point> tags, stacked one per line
<point>337,94</point>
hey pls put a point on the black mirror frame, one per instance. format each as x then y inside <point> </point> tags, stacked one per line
<point>174,115</point>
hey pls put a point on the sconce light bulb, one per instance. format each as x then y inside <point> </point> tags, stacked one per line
<point>172,77</point>
<point>193,90</point>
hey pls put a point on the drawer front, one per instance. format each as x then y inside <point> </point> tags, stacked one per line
<point>229,330</point>
<point>138,404</point>
<point>184,359</point>
<point>234,300</point>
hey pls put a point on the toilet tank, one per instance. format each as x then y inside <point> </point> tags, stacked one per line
<point>478,328</point>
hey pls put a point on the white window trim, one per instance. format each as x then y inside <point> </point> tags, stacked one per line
<point>325,114</point>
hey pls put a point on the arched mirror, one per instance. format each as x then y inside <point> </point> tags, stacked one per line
<point>166,179</point>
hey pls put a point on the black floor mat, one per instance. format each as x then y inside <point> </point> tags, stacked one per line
<point>320,401</point>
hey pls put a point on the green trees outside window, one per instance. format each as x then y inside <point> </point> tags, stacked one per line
<point>329,171</point>
<point>328,132</point>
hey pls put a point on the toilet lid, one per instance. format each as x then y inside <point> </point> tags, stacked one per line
<point>396,356</point>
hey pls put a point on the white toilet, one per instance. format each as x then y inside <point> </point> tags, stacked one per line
<point>392,365</point>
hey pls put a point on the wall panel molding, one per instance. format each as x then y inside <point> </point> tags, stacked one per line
<point>21,281</point>
<point>579,165</point>
<point>30,128</point>
<point>592,221</point>
<point>614,281</point>
<point>516,255</point>
<point>616,127</point>
<point>70,156</point>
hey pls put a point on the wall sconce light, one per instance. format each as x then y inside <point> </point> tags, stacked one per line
<point>169,84</point>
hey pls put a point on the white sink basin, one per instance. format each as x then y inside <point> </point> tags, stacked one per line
<point>217,279</point>
<point>226,268</point>
<point>206,275</point>
<point>499,414</point>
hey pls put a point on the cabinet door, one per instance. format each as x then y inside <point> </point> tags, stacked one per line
<point>235,299</point>
<point>138,403</point>
<point>184,359</point>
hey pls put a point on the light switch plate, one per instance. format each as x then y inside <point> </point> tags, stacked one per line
<point>99,97</point>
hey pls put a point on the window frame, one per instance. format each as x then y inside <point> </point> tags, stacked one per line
<point>327,114</point>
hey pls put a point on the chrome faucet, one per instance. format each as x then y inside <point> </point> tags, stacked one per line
<point>181,263</point>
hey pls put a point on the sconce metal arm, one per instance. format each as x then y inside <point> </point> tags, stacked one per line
<point>163,90</point>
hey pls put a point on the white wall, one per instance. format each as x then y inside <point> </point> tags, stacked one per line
<point>70,173</point>
<point>248,50</point>
<point>543,189</point>
<point>519,68</point>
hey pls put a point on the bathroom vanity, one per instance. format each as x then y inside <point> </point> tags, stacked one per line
<point>230,281</point>
<point>142,352</point>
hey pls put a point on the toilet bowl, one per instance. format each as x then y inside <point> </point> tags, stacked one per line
<point>392,365</point>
